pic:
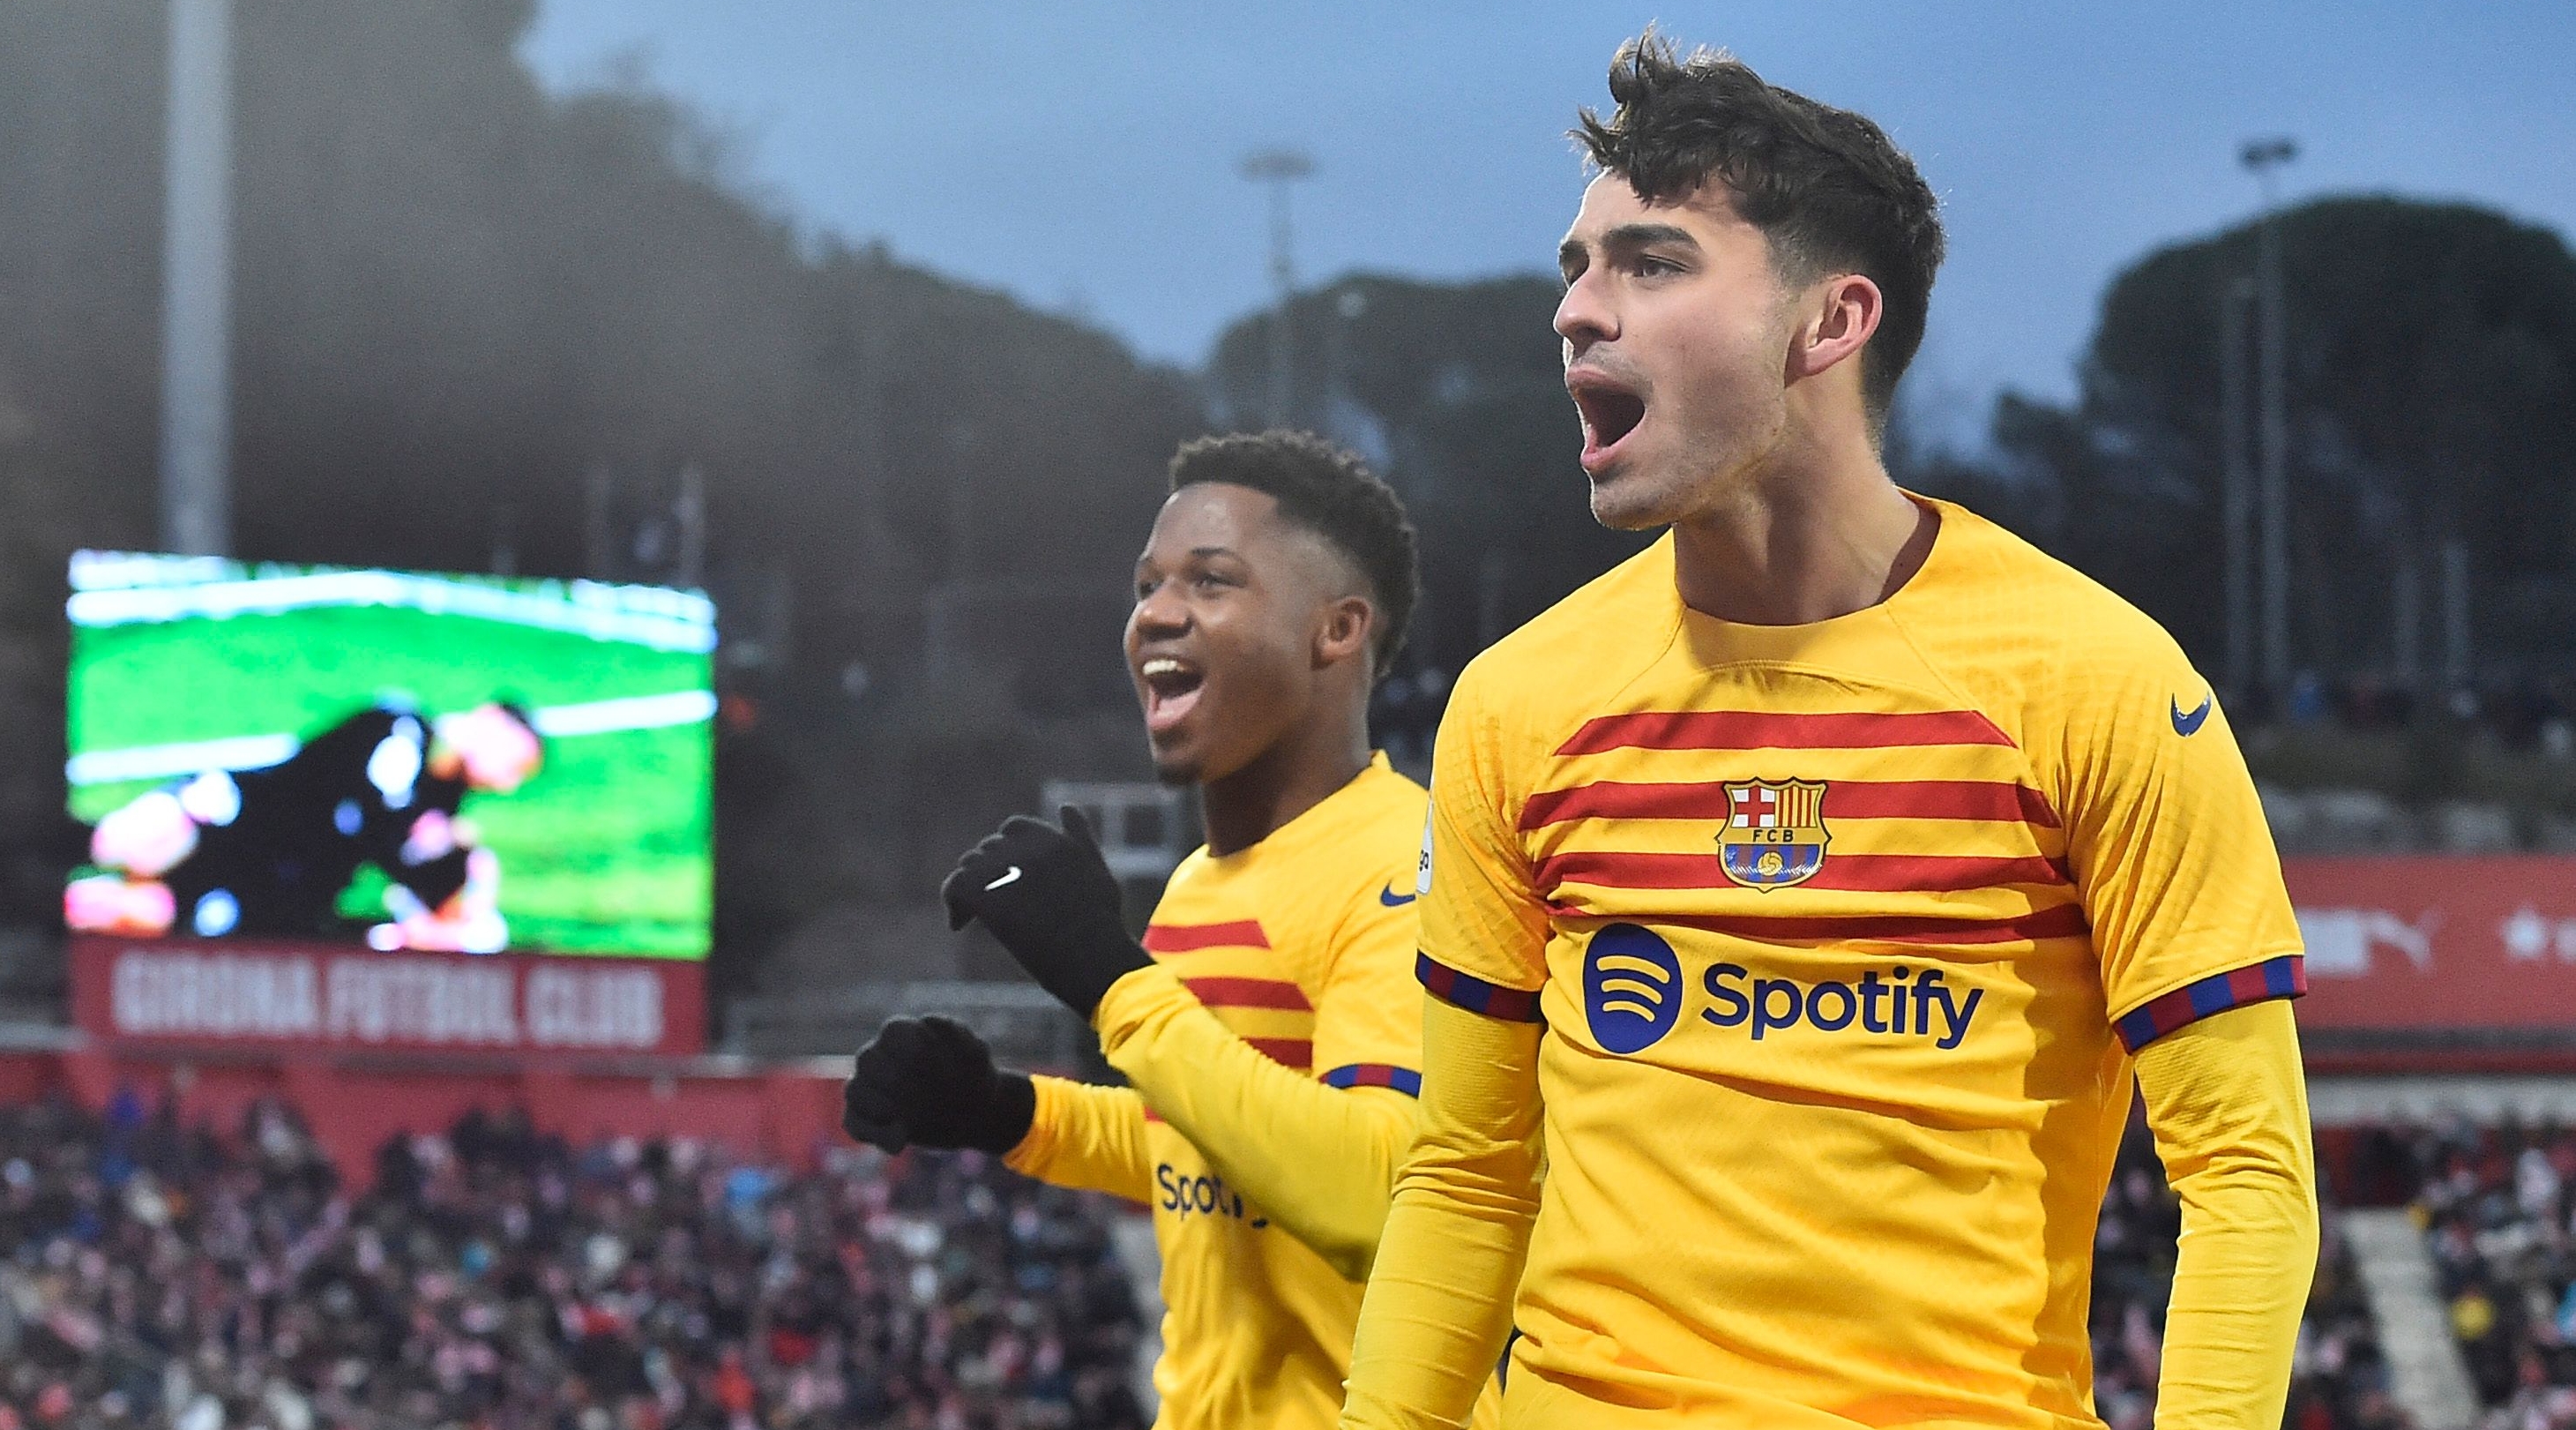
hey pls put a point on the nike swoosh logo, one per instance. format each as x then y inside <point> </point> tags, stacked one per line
<point>1011,876</point>
<point>2188,725</point>
<point>1389,897</point>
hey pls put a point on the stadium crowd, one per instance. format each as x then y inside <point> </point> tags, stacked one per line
<point>2499,1205</point>
<point>2339,1379</point>
<point>155,1276</point>
<point>499,1280</point>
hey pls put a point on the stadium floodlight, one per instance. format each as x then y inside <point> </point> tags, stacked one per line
<point>1278,168</point>
<point>2262,157</point>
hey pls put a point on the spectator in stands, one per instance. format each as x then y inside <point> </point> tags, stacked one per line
<point>495,1278</point>
<point>2498,1213</point>
<point>2339,1380</point>
<point>154,1276</point>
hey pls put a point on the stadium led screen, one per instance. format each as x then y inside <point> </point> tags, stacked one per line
<point>389,759</point>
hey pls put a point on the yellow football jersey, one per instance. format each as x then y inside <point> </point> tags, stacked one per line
<point>1842,935</point>
<point>1302,945</point>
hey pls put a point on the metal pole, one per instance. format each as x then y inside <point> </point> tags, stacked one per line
<point>2237,504</point>
<point>689,513</point>
<point>2455,616</point>
<point>598,494</point>
<point>2275,455</point>
<point>196,283</point>
<point>2271,379</point>
<point>2407,615</point>
<point>1283,287</point>
<point>1278,168</point>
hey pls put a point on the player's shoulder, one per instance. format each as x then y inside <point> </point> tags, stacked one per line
<point>1554,670</point>
<point>2006,611</point>
<point>1387,795</point>
<point>1376,838</point>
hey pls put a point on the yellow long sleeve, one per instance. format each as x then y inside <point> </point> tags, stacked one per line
<point>1440,1302</point>
<point>2228,1104</point>
<point>1086,1137</point>
<point>1321,1161</point>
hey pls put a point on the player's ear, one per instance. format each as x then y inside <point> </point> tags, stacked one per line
<point>1843,311</point>
<point>1345,631</point>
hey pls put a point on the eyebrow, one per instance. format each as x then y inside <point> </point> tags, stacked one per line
<point>1201,551</point>
<point>1628,237</point>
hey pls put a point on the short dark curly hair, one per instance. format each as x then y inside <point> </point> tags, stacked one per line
<point>1829,190</point>
<point>1332,493</point>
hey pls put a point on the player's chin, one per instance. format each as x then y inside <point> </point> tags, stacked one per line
<point>1626,499</point>
<point>1177,761</point>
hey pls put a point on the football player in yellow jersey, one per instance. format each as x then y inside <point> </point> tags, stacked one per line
<point>1269,1021</point>
<point>1816,883</point>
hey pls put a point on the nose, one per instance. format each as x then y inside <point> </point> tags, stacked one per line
<point>1584,315</point>
<point>1160,614</point>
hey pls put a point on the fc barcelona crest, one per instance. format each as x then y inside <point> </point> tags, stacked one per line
<point>1774,834</point>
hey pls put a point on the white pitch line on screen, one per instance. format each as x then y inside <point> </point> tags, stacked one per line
<point>250,752</point>
<point>634,615</point>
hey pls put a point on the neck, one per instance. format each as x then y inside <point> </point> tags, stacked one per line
<point>1818,531</point>
<point>1313,759</point>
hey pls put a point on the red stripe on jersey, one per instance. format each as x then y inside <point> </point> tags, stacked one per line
<point>1182,938</point>
<point>1844,799</point>
<point>1935,873</point>
<point>2062,921</point>
<point>1872,873</point>
<point>1998,800</point>
<point>1771,730</point>
<point>1249,993</point>
<point>1298,1053</point>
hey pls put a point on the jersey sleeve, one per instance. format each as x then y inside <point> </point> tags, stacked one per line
<point>2166,841</point>
<point>1368,1013</point>
<point>1320,1161</point>
<point>1439,1301</point>
<point>1088,1138</point>
<point>2227,1102</point>
<point>1483,921</point>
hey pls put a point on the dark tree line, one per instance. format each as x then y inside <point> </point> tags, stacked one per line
<point>479,326</point>
<point>2431,397</point>
<point>1457,391</point>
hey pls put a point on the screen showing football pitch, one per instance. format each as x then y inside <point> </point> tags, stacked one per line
<point>387,758</point>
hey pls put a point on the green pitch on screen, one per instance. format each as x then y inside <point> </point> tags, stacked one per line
<point>605,851</point>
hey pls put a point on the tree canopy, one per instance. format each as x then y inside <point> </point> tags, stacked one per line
<point>480,325</point>
<point>2431,395</point>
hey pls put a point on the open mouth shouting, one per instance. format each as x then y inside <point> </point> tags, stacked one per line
<point>1611,410</point>
<point>1171,688</point>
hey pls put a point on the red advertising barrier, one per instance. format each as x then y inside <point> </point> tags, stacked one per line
<point>277,995</point>
<point>2413,953</point>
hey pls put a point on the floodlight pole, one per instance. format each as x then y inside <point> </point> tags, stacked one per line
<point>2235,303</point>
<point>196,283</point>
<point>1279,168</point>
<point>2263,157</point>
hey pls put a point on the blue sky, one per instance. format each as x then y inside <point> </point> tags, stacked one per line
<point>1082,155</point>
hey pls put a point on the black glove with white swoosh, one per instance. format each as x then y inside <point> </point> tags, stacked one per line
<point>1048,895</point>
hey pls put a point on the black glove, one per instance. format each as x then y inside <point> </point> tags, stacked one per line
<point>930,1082</point>
<point>1049,897</point>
